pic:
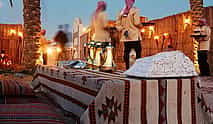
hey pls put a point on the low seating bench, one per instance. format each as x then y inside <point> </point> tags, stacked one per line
<point>19,104</point>
<point>98,97</point>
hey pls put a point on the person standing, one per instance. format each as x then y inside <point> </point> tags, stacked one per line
<point>204,46</point>
<point>44,44</point>
<point>101,33</point>
<point>128,24</point>
<point>100,23</point>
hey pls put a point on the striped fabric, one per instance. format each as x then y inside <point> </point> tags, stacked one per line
<point>102,98</point>
<point>12,87</point>
<point>19,99</point>
<point>36,113</point>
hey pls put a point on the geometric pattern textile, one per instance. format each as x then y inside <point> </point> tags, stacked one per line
<point>109,98</point>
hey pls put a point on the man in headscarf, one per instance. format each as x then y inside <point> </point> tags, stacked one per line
<point>100,22</point>
<point>128,23</point>
<point>204,47</point>
<point>99,25</point>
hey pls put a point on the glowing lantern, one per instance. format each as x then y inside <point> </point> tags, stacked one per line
<point>165,34</point>
<point>156,37</point>
<point>58,49</point>
<point>84,29</point>
<point>49,50</point>
<point>20,34</point>
<point>143,30</point>
<point>186,21</point>
<point>151,31</point>
<point>151,28</point>
<point>12,32</point>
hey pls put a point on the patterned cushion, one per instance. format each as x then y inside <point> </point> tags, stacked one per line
<point>12,87</point>
<point>35,113</point>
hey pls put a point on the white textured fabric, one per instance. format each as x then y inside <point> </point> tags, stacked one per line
<point>186,98</point>
<point>162,65</point>
<point>103,98</point>
<point>172,102</point>
<point>152,107</point>
<point>135,102</point>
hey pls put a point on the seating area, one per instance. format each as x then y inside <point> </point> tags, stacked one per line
<point>99,97</point>
<point>20,104</point>
<point>63,95</point>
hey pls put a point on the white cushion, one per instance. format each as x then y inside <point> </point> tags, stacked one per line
<point>163,65</point>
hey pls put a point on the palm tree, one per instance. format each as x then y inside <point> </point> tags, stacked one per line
<point>31,32</point>
<point>196,7</point>
<point>196,14</point>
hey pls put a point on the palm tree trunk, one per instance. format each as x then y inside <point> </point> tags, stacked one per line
<point>196,7</point>
<point>196,14</point>
<point>32,28</point>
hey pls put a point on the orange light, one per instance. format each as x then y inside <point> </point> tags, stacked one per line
<point>93,36</point>
<point>187,21</point>
<point>151,28</point>
<point>84,29</point>
<point>165,34</point>
<point>88,29</point>
<point>12,32</point>
<point>156,37</point>
<point>49,51</point>
<point>142,30</point>
<point>20,34</point>
<point>58,49</point>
